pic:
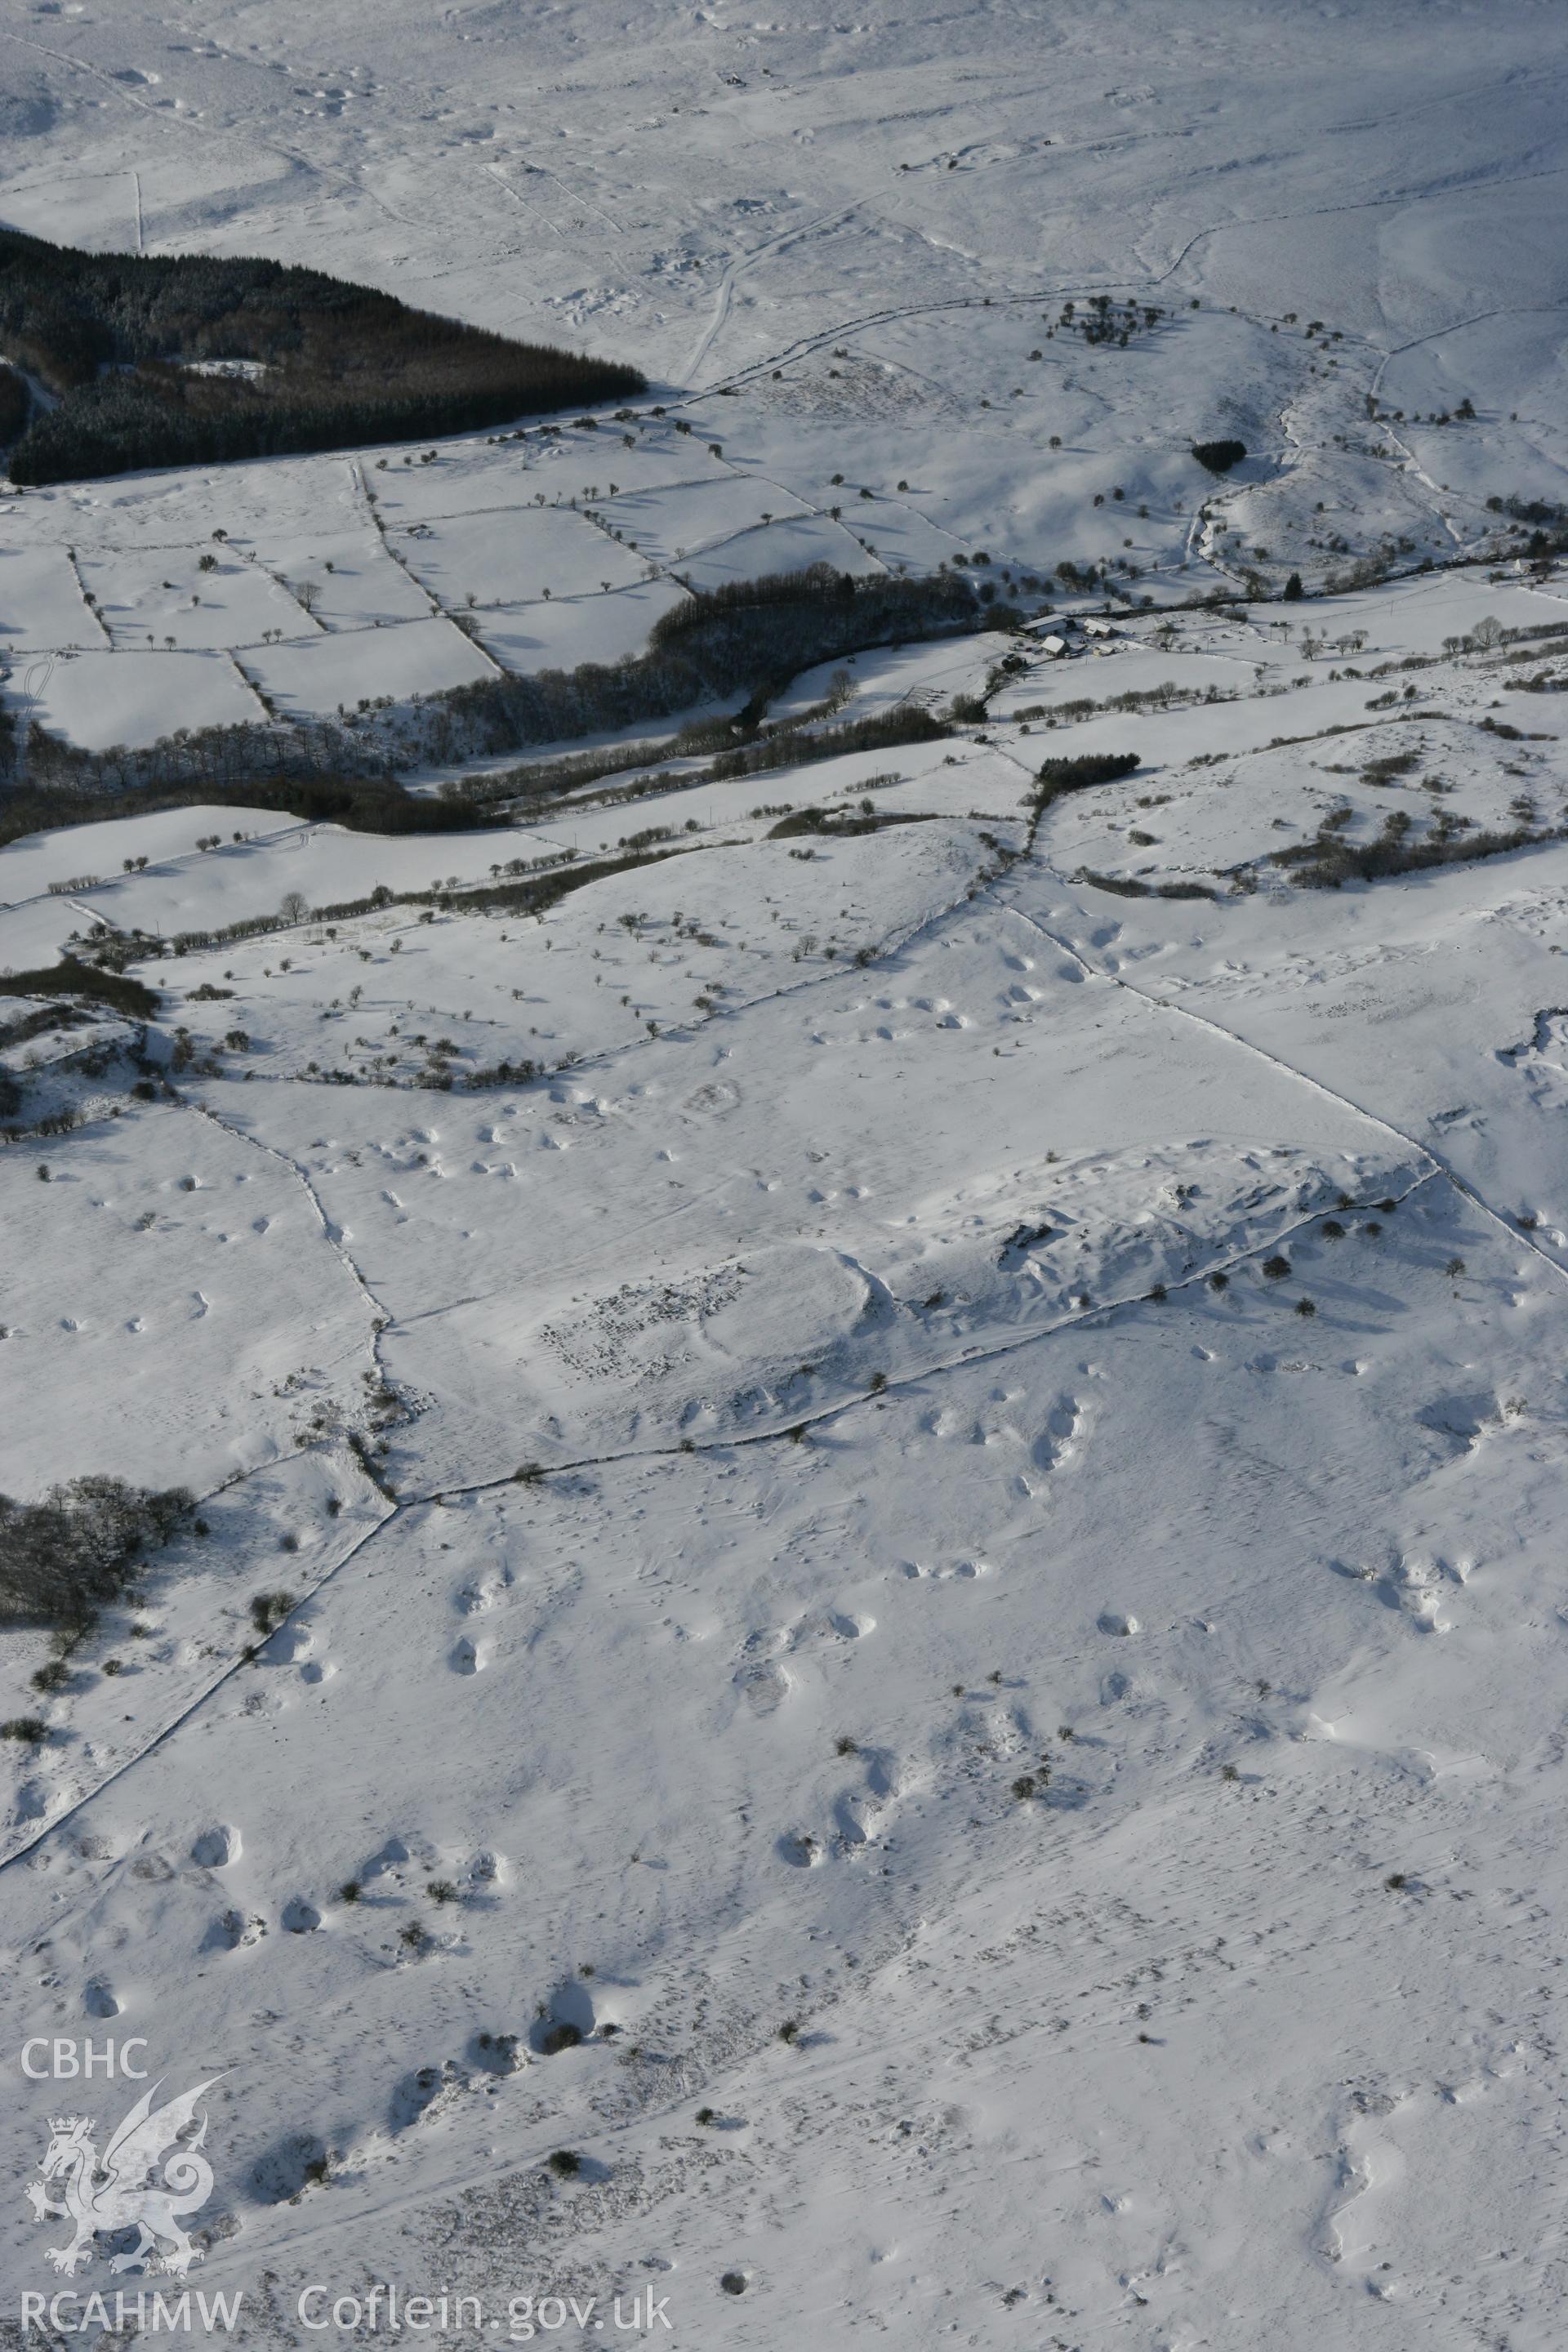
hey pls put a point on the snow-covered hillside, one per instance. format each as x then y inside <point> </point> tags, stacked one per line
<point>907,289</point>
<point>875,1446</point>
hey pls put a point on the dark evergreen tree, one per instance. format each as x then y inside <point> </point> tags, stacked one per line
<point>133,347</point>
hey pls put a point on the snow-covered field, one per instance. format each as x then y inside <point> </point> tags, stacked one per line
<point>856,262</point>
<point>878,1530</point>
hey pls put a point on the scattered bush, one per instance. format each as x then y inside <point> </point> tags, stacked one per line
<point>269,1610</point>
<point>1326,863</point>
<point>64,1558</point>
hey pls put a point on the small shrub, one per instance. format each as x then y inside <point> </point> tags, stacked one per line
<point>565,2164</point>
<point>733,2282</point>
<point>790,2030</point>
<point>1276,1267</point>
<point>705,2115</point>
<point>1304,1307</point>
<point>845,1745</point>
<point>269,1609</point>
<point>1219,1282</point>
<point>1332,1230</point>
<point>1396,1880</point>
<point>32,1729</point>
<point>441,1890</point>
<point>350,1891</point>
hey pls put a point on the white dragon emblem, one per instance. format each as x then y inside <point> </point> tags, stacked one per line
<point>125,2190</point>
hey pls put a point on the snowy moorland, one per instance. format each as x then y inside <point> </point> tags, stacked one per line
<point>871,1445</point>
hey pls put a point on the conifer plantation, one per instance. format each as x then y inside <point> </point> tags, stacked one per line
<point>183,359</point>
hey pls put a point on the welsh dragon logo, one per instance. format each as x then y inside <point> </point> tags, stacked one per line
<point>123,2190</point>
